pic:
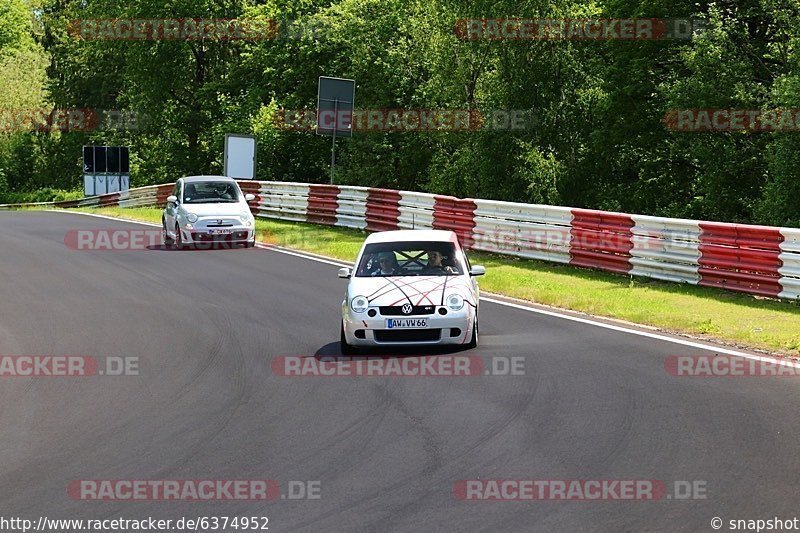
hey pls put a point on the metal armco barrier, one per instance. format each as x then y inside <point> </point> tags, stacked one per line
<point>601,240</point>
<point>383,210</point>
<point>323,202</point>
<point>757,260</point>
<point>458,215</point>
<point>666,248</point>
<point>743,258</point>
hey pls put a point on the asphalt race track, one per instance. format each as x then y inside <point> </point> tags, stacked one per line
<point>386,452</point>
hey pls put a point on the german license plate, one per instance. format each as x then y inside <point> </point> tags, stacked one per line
<point>220,231</point>
<point>406,323</point>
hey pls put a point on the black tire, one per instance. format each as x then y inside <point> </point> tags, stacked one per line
<point>473,343</point>
<point>249,244</point>
<point>168,241</point>
<point>178,238</point>
<point>346,349</point>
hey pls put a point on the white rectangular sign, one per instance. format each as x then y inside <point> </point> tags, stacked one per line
<point>240,156</point>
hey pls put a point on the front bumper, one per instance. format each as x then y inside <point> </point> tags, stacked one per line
<point>453,328</point>
<point>233,235</point>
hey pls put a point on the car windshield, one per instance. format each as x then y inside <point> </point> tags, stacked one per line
<point>210,192</point>
<point>425,258</point>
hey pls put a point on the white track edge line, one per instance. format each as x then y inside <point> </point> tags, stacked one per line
<point>620,329</point>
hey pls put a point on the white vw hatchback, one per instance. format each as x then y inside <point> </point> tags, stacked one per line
<point>208,210</point>
<point>410,287</point>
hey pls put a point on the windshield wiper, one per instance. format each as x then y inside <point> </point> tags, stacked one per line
<point>217,201</point>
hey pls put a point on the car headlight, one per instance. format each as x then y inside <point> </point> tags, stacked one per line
<point>246,220</point>
<point>191,217</point>
<point>359,304</point>
<point>454,302</point>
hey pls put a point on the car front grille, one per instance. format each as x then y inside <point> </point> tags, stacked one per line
<point>407,335</point>
<point>205,237</point>
<point>397,310</point>
<point>214,222</point>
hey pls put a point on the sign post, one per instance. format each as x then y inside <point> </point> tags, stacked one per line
<point>336,95</point>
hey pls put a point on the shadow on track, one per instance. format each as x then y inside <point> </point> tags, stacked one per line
<point>332,350</point>
<point>195,248</point>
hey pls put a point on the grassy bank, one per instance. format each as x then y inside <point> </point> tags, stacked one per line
<point>698,311</point>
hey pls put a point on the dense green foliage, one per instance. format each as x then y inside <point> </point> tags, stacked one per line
<point>599,139</point>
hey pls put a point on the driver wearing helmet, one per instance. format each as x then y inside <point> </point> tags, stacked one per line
<point>223,191</point>
<point>435,267</point>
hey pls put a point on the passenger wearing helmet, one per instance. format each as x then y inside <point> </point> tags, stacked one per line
<point>387,265</point>
<point>190,192</point>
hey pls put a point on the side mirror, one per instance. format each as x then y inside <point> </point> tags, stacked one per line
<point>345,273</point>
<point>249,197</point>
<point>477,270</point>
<point>172,199</point>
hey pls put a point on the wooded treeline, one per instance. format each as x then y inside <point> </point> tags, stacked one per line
<point>599,139</point>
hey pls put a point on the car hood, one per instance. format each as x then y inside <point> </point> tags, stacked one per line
<point>210,210</point>
<point>417,290</point>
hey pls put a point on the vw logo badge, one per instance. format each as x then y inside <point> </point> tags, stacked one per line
<point>407,309</point>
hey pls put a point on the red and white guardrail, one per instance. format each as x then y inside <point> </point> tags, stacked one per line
<point>758,260</point>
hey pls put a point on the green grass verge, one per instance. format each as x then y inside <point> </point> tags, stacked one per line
<point>698,311</point>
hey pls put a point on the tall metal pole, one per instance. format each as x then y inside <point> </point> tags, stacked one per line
<point>94,171</point>
<point>333,145</point>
